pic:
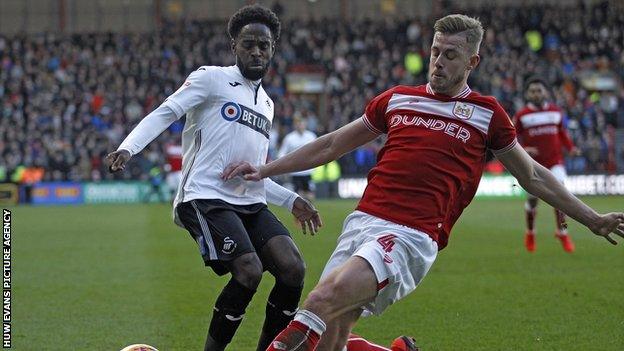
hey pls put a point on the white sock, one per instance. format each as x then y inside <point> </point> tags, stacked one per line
<point>311,320</point>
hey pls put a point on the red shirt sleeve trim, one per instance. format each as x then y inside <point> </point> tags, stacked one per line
<point>369,125</point>
<point>506,148</point>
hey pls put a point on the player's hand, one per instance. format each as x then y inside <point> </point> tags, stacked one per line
<point>307,215</point>
<point>117,160</point>
<point>607,224</point>
<point>532,151</point>
<point>244,169</point>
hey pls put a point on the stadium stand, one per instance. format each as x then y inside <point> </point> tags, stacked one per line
<point>67,100</point>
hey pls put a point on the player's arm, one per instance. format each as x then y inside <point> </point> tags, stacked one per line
<point>147,130</point>
<point>327,148</point>
<point>307,215</point>
<point>194,91</point>
<point>538,181</point>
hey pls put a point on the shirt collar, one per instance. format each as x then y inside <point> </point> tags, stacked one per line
<point>534,107</point>
<point>238,71</point>
<point>462,94</point>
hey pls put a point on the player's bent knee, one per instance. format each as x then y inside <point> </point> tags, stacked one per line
<point>293,273</point>
<point>247,270</point>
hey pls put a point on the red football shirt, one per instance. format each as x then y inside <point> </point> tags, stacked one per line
<point>542,128</point>
<point>430,167</point>
<point>174,156</point>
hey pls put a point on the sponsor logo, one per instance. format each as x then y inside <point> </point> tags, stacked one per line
<point>546,130</point>
<point>187,83</point>
<point>244,115</point>
<point>235,84</point>
<point>228,246</point>
<point>453,129</point>
<point>463,110</point>
<point>230,111</point>
<point>268,103</point>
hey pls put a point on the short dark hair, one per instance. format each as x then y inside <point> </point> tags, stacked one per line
<point>535,80</point>
<point>254,14</point>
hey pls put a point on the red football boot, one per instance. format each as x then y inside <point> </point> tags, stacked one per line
<point>566,242</point>
<point>529,241</point>
<point>404,343</point>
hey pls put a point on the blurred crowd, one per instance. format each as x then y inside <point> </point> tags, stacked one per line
<point>67,100</point>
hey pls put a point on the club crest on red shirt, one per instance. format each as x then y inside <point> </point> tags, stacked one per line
<point>463,110</point>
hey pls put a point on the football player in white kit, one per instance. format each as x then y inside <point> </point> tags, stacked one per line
<point>228,118</point>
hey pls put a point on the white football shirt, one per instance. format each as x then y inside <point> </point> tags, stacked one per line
<point>228,119</point>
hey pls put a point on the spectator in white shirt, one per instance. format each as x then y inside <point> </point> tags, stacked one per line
<point>292,141</point>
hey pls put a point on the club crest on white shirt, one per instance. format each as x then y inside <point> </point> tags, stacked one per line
<point>463,110</point>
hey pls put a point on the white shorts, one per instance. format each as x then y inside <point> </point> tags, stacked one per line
<point>559,172</point>
<point>400,256</point>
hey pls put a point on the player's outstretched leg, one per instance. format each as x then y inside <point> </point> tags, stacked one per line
<point>530,208</point>
<point>231,304</point>
<point>562,232</point>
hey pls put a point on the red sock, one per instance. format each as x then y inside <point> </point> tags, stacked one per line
<point>295,334</point>
<point>358,343</point>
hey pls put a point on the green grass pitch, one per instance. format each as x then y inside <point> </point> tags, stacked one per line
<point>102,277</point>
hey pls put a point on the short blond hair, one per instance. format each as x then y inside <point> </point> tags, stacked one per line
<point>469,26</point>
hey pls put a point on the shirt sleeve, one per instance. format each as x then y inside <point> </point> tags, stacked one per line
<point>278,195</point>
<point>501,133</point>
<point>375,114</point>
<point>193,91</point>
<point>148,129</point>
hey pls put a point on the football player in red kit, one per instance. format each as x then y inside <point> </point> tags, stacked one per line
<point>541,132</point>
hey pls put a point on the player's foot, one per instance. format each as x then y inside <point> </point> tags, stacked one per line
<point>566,242</point>
<point>404,343</point>
<point>529,241</point>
